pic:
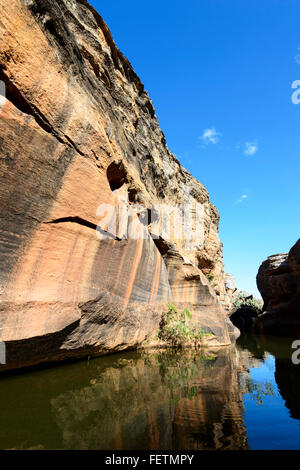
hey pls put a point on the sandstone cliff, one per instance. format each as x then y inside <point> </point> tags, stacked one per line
<point>79,134</point>
<point>278,281</point>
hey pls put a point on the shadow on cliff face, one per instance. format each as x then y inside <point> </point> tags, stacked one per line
<point>243,318</point>
<point>246,311</point>
<point>149,400</point>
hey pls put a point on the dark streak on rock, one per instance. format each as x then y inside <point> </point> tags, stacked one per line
<point>85,223</point>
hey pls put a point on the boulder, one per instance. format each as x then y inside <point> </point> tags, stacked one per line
<point>278,281</point>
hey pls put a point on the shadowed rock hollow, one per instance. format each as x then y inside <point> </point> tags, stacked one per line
<point>78,131</point>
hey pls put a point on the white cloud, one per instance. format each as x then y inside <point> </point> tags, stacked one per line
<point>242,198</point>
<point>250,148</point>
<point>210,136</point>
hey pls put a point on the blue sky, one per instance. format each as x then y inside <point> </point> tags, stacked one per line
<point>220,73</point>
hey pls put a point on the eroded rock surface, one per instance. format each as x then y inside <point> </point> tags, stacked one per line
<point>78,131</point>
<point>278,281</point>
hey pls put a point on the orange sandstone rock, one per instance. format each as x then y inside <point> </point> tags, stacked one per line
<point>78,131</point>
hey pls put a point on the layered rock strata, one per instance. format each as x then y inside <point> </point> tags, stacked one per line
<point>84,269</point>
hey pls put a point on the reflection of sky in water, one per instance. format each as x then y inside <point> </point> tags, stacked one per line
<point>269,425</point>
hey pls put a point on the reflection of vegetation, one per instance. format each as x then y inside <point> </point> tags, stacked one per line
<point>259,390</point>
<point>175,330</point>
<point>179,370</point>
<point>179,381</point>
<point>251,344</point>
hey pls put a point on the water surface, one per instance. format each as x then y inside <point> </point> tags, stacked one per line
<point>235,398</point>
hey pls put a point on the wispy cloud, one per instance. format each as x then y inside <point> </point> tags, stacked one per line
<point>297,57</point>
<point>250,148</point>
<point>210,136</point>
<point>242,198</point>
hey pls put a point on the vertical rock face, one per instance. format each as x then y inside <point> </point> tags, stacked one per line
<point>278,281</point>
<point>79,143</point>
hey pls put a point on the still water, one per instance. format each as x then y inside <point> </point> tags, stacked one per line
<point>235,398</point>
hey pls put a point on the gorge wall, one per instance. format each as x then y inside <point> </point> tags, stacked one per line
<point>78,136</point>
<point>278,280</point>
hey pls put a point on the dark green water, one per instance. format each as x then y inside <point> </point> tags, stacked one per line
<point>236,398</point>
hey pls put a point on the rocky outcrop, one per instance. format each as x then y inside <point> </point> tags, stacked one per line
<point>230,284</point>
<point>230,292</point>
<point>278,281</point>
<point>84,269</point>
<point>190,289</point>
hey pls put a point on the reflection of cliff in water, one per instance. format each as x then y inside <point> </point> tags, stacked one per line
<point>251,355</point>
<point>287,374</point>
<point>137,400</point>
<point>157,400</point>
<point>287,377</point>
<point>213,419</point>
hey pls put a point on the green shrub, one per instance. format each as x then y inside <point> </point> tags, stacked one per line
<point>175,330</point>
<point>241,300</point>
<point>210,277</point>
